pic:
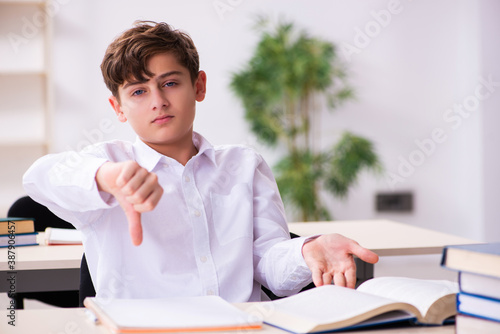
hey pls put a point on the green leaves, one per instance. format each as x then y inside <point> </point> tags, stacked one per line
<point>286,70</point>
<point>347,159</point>
<point>279,88</point>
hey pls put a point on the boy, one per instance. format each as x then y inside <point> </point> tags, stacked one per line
<point>202,220</point>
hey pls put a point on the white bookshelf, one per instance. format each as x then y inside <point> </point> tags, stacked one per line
<point>25,91</point>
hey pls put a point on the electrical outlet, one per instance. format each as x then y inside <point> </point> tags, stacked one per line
<point>395,202</point>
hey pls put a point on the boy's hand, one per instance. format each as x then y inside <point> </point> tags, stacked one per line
<point>136,189</point>
<point>330,258</point>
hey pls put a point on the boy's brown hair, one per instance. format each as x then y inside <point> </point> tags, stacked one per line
<point>127,56</point>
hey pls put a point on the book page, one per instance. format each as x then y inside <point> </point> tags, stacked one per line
<point>418,292</point>
<point>330,304</point>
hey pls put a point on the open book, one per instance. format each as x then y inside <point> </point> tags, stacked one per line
<point>167,315</point>
<point>376,301</point>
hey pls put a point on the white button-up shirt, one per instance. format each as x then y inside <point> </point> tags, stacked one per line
<point>219,227</point>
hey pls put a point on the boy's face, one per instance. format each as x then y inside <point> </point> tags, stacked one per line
<point>161,110</point>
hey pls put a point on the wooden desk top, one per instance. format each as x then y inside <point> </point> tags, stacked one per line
<point>384,237</point>
<point>75,320</point>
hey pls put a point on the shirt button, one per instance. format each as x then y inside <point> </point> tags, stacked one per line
<point>210,292</point>
<point>197,213</point>
<point>203,259</point>
<point>187,179</point>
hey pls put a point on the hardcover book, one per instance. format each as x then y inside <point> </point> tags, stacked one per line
<point>478,306</point>
<point>21,225</point>
<point>16,240</point>
<point>481,285</point>
<point>481,259</point>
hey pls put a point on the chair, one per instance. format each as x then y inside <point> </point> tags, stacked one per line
<point>86,286</point>
<point>27,207</point>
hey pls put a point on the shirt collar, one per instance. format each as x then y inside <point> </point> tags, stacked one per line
<point>149,158</point>
<point>204,147</point>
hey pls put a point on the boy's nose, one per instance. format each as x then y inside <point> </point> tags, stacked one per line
<point>158,100</point>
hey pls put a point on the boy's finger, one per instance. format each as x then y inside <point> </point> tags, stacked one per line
<point>149,203</point>
<point>140,179</point>
<point>350,277</point>
<point>327,278</point>
<point>128,170</point>
<point>317,277</point>
<point>339,279</point>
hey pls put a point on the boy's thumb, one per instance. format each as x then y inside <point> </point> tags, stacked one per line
<point>134,226</point>
<point>134,221</point>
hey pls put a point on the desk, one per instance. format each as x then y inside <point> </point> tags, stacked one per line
<point>43,268</point>
<point>57,268</point>
<point>75,321</point>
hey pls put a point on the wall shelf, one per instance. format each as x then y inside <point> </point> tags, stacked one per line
<point>25,91</point>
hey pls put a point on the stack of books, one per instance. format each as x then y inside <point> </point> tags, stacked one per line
<point>478,302</point>
<point>16,232</point>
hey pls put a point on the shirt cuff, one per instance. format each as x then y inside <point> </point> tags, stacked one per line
<point>300,274</point>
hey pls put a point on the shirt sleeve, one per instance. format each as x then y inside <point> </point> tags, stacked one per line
<point>65,183</point>
<point>278,261</point>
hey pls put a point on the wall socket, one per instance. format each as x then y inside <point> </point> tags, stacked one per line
<point>394,202</point>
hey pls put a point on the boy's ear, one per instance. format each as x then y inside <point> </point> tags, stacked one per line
<point>117,108</point>
<point>200,86</point>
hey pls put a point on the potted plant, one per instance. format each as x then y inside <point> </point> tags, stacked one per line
<point>282,88</point>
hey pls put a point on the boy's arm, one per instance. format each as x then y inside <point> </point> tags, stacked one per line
<point>135,189</point>
<point>67,183</point>
<point>278,261</point>
<point>64,183</point>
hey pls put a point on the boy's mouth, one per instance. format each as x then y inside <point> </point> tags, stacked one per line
<point>162,119</point>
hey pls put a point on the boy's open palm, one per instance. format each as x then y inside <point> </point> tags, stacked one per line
<point>330,258</point>
<point>135,189</point>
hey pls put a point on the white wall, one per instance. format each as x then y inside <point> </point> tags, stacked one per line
<point>429,56</point>
<point>490,56</point>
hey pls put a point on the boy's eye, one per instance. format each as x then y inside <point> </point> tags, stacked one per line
<point>170,84</point>
<point>138,92</point>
